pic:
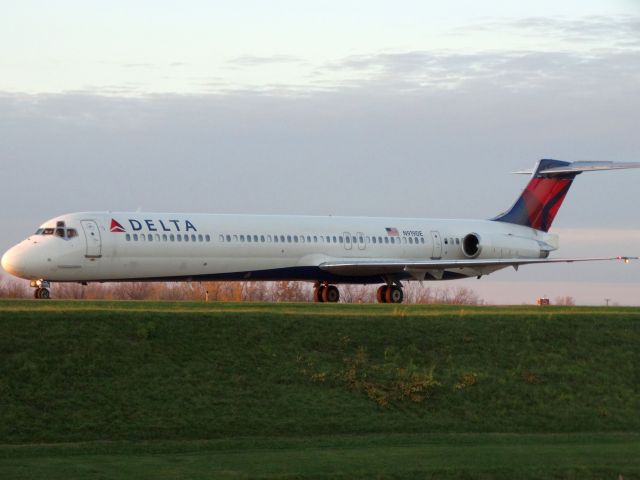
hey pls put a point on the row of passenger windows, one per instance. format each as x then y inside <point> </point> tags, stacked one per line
<point>151,237</point>
<point>355,239</point>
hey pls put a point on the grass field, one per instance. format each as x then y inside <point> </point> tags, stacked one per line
<point>193,390</point>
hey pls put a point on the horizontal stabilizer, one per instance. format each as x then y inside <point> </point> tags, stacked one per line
<point>579,167</point>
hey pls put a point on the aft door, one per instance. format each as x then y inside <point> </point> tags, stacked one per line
<point>92,237</point>
<point>437,245</point>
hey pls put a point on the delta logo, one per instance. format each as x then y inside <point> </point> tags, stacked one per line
<point>116,227</point>
<point>154,226</point>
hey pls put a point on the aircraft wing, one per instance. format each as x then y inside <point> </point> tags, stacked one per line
<point>418,268</point>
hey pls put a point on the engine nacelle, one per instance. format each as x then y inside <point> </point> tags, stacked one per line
<point>475,245</point>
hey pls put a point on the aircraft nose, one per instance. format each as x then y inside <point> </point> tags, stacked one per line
<point>14,262</point>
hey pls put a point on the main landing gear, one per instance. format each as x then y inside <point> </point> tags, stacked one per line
<point>323,292</point>
<point>390,294</point>
<point>42,289</point>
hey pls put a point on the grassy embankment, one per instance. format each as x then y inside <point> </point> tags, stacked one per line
<point>308,391</point>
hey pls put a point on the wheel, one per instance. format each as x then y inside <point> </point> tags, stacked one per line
<point>381,294</point>
<point>330,294</point>
<point>44,294</point>
<point>317,293</point>
<point>394,294</point>
<point>36,293</point>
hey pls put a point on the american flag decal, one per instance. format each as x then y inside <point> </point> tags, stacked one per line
<point>392,232</point>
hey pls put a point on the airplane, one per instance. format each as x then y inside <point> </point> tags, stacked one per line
<point>139,247</point>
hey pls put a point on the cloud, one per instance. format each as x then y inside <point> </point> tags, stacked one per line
<point>259,61</point>
<point>506,69</point>
<point>620,31</point>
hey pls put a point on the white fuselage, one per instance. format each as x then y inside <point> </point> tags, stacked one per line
<point>161,246</point>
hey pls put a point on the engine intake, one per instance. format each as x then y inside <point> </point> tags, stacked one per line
<point>471,245</point>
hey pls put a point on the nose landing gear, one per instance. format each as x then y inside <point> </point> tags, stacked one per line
<point>42,289</point>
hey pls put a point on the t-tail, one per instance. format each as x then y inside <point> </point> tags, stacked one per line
<point>550,181</point>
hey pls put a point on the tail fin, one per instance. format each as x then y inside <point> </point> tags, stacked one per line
<point>541,199</point>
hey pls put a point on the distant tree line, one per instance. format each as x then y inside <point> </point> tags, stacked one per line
<point>285,291</point>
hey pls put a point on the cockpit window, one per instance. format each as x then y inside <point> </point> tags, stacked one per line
<point>58,232</point>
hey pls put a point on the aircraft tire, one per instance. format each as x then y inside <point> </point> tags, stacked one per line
<point>394,294</point>
<point>317,294</point>
<point>330,294</point>
<point>44,294</point>
<point>381,294</point>
<point>36,293</point>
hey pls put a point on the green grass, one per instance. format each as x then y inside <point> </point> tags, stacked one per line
<point>194,390</point>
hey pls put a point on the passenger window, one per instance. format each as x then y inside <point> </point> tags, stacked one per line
<point>335,240</point>
<point>361,239</point>
<point>288,238</point>
<point>179,237</point>
<point>235,238</point>
<point>262,238</point>
<point>242,238</point>
<point>308,239</point>
<point>374,239</point>
<point>193,237</point>
<point>295,238</point>
<point>255,238</point>
<point>386,239</point>
<point>301,238</point>
<point>221,237</point>
<point>281,238</point>
<point>457,241</point>
<point>249,238</point>
<point>135,237</point>
<point>200,239</point>
<point>228,237</point>
<point>268,238</point>
<point>186,237</point>
<point>368,240</point>
<point>275,239</point>
<point>150,237</point>
<point>354,239</point>
<point>411,240</point>
<point>328,239</point>
<point>164,237</point>
<point>171,237</point>
<point>446,242</point>
<point>315,239</point>
<point>127,237</point>
<point>347,239</point>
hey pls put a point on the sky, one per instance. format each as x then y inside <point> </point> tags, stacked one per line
<point>406,108</point>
